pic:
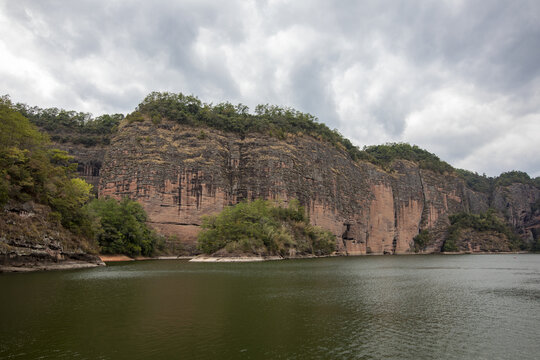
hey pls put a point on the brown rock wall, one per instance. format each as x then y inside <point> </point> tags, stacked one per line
<point>181,173</point>
<point>515,203</point>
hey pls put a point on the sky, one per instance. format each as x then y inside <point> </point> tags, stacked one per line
<point>458,78</point>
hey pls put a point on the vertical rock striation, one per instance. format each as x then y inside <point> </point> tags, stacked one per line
<point>181,173</point>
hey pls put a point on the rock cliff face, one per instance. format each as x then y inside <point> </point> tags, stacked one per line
<point>89,160</point>
<point>29,240</point>
<point>517,203</point>
<point>181,173</point>
<point>486,241</point>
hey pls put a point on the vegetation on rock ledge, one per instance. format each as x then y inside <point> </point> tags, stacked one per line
<point>31,171</point>
<point>71,126</point>
<point>421,240</point>
<point>480,223</point>
<point>385,155</point>
<point>263,228</point>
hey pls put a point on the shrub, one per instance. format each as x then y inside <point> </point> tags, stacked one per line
<point>31,170</point>
<point>487,221</point>
<point>385,155</point>
<point>261,227</point>
<point>421,240</point>
<point>121,227</point>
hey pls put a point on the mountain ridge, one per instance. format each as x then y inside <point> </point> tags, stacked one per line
<point>377,201</point>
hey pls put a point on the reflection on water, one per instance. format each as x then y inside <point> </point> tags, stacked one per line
<point>401,307</point>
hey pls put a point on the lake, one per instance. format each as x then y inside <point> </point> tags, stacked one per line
<point>371,307</point>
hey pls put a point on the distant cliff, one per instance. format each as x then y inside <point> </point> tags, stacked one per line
<point>180,173</point>
<point>182,159</point>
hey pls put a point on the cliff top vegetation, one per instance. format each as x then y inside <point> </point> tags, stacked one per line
<point>385,155</point>
<point>71,126</point>
<point>485,183</point>
<point>82,128</point>
<point>276,121</point>
<point>270,119</point>
<point>487,221</point>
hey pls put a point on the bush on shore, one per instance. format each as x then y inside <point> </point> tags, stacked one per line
<point>263,228</point>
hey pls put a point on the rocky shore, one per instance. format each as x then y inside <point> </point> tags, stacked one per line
<point>206,258</point>
<point>65,265</point>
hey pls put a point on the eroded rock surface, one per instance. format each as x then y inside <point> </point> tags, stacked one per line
<point>30,240</point>
<point>181,173</point>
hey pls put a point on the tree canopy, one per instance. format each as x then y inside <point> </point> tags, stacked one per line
<point>263,228</point>
<point>82,128</point>
<point>385,155</point>
<point>31,170</point>
<point>487,221</point>
<point>71,126</point>
<point>274,120</point>
<point>121,227</point>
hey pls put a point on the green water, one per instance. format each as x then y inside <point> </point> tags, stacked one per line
<point>391,307</point>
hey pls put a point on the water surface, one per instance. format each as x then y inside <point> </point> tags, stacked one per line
<point>376,307</point>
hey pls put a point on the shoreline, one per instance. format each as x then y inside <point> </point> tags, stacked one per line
<point>103,259</point>
<point>123,258</point>
<point>213,259</point>
<point>255,258</point>
<point>64,265</point>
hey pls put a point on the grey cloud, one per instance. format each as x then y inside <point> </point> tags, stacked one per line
<point>491,47</point>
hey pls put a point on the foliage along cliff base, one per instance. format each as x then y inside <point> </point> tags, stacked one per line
<point>263,228</point>
<point>475,233</point>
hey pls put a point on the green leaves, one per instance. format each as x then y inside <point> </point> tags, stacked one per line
<point>487,221</point>
<point>421,240</point>
<point>72,126</point>
<point>384,156</point>
<point>269,119</point>
<point>121,227</point>
<point>31,170</point>
<point>261,227</point>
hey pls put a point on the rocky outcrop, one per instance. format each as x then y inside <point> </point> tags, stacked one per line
<point>89,160</point>
<point>182,173</point>
<point>517,203</point>
<point>471,241</point>
<point>31,240</point>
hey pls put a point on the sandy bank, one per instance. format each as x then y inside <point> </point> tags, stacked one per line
<point>173,258</point>
<point>111,258</point>
<point>234,258</point>
<point>114,258</point>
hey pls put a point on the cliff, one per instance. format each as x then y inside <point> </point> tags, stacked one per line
<point>183,159</point>
<point>180,173</point>
<point>30,240</point>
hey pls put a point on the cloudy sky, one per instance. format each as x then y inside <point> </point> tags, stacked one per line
<point>459,78</point>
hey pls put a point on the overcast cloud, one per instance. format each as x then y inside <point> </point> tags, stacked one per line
<point>459,78</point>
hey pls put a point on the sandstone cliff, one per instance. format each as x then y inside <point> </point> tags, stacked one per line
<point>180,173</point>
<point>30,240</point>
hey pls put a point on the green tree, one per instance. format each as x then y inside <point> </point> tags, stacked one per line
<point>261,227</point>
<point>121,227</point>
<point>31,170</point>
